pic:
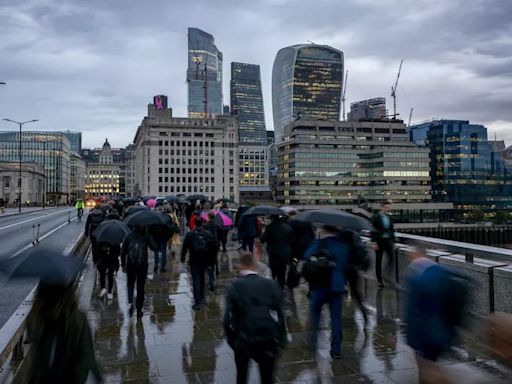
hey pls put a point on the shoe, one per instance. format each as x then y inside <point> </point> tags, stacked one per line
<point>380,285</point>
<point>130,311</point>
<point>335,355</point>
<point>140,313</point>
<point>103,292</point>
<point>110,296</point>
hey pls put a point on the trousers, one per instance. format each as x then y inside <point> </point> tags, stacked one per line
<point>198,272</point>
<point>265,362</point>
<point>136,274</point>
<point>106,271</point>
<point>384,246</point>
<point>161,255</point>
<point>319,297</point>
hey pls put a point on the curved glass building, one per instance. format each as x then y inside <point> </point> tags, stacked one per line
<point>306,84</point>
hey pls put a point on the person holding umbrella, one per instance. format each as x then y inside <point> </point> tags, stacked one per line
<point>93,221</point>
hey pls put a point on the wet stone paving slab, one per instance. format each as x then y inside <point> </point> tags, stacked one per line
<point>172,343</point>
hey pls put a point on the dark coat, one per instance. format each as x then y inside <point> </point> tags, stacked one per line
<point>94,219</point>
<point>278,236</point>
<point>378,225</point>
<point>108,255</point>
<point>303,236</point>
<point>198,259</point>
<point>248,227</point>
<point>113,216</point>
<point>244,292</point>
<point>135,236</point>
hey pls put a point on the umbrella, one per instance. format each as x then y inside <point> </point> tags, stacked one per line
<point>201,198</point>
<point>288,210</point>
<point>131,200</point>
<point>164,230</point>
<point>335,218</point>
<point>225,200</point>
<point>143,218</point>
<point>151,203</point>
<point>135,208</point>
<point>47,265</point>
<point>265,210</point>
<point>111,231</point>
<point>175,199</point>
<point>146,198</point>
<point>221,219</point>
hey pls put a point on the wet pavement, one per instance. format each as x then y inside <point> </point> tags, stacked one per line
<point>172,343</point>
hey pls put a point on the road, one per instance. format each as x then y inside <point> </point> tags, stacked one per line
<point>16,238</point>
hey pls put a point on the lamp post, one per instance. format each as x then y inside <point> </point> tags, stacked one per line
<point>19,154</point>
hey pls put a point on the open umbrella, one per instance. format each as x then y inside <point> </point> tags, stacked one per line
<point>225,200</point>
<point>175,199</point>
<point>146,198</point>
<point>47,265</point>
<point>111,231</point>
<point>221,219</point>
<point>288,210</point>
<point>131,200</point>
<point>201,198</point>
<point>335,218</point>
<point>265,210</point>
<point>151,203</point>
<point>143,219</point>
<point>134,209</point>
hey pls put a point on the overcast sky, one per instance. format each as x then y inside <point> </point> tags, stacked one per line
<point>94,65</point>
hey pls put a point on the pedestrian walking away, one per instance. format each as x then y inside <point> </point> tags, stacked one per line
<point>248,231</point>
<point>199,244</point>
<point>383,237</point>
<point>278,237</point>
<point>325,269</point>
<point>134,261</point>
<point>212,266</point>
<point>108,264</point>
<point>94,219</point>
<point>225,231</point>
<point>254,321</point>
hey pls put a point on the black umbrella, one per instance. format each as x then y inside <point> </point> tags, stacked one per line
<point>164,230</point>
<point>225,200</point>
<point>111,231</point>
<point>131,200</point>
<point>201,198</point>
<point>134,209</point>
<point>265,210</point>
<point>175,199</point>
<point>335,218</point>
<point>47,265</point>
<point>144,218</point>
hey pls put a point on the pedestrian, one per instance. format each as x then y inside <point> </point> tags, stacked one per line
<point>93,221</point>
<point>302,237</point>
<point>113,215</point>
<point>2,205</point>
<point>213,260</point>
<point>61,344</point>
<point>200,244</point>
<point>225,231</point>
<point>254,322</point>
<point>108,264</point>
<point>248,231</point>
<point>278,237</point>
<point>328,286</point>
<point>195,214</point>
<point>383,238</point>
<point>134,261</point>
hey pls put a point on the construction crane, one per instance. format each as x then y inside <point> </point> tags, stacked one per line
<point>410,117</point>
<point>393,90</point>
<point>343,94</point>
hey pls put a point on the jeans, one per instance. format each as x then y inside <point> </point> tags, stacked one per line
<point>265,362</point>
<point>248,242</point>
<point>162,255</point>
<point>136,274</point>
<point>106,271</point>
<point>319,297</point>
<point>383,246</point>
<point>197,272</point>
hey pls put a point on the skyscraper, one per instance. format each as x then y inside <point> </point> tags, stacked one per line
<point>247,103</point>
<point>370,109</point>
<point>306,84</point>
<point>204,75</point>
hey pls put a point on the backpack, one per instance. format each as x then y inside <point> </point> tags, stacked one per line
<point>204,242</point>
<point>137,251</point>
<point>318,267</point>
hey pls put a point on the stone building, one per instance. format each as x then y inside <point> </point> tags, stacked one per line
<point>102,178</point>
<point>32,182</point>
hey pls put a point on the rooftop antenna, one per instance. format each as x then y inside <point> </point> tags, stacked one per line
<point>393,90</point>
<point>410,117</point>
<point>343,95</point>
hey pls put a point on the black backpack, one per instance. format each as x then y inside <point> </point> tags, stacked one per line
<point>137,251</point>
<point>318,267</point>
<point>204,242</point>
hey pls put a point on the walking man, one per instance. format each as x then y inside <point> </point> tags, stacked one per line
<point>93,221</point>
<point>254,321</point>
<point>330,287</point>
<point>199,243</point>
<point>108,263</point>
<point>248,231</point>
<point>134,261</point>
<point>278,236</point>
<point>383,238</point>
<point>212,265</point>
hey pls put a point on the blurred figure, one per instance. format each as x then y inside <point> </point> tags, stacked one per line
<point>113,215</point>
<point>195,214</point>
<point>383,238</point>
<point>248,231</point>
<point>500,335</point>
<point>94,219</point>
<point>212,265</point>
<point>224,239</point>
<point>134,261</point>
<point>278,237</point>
<point>199,243</point>
<point>254,321</point>
<point>62,347</point>
<point>108,264</point>
<point>2,205</point>
<point>329,286</point>
<point>79,206</point>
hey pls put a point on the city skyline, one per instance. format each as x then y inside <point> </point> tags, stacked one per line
<point>91,68</point>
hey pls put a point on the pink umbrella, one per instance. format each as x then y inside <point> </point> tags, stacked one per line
<point>225,219</point>
<point>151,203</point>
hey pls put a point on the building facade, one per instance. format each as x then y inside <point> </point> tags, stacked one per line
<point>75,140</point>
<point>370,109</point>
<point>307,81</point>
<point>204,75</point>
<point>78,175</point>
<point>49,149</point>
<point>32,182</point>
<point>465,169</point>
<point>127,168</point>
<point>187,156</point>
<point>350,164</point>
<point>103,178</point>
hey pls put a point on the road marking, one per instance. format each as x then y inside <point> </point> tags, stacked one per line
<point>41,238</point>
<point>26,221</point>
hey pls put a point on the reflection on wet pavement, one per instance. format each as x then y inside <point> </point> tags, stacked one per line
<point>172,343</point>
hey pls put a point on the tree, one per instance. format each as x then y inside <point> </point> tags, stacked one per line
<point>501,217</point>
<point>476,215</point>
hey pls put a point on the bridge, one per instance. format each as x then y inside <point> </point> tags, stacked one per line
<point>173,344</point>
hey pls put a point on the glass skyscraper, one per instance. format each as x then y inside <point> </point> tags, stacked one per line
<point>204,75</point>
<point>247,103</point>
<point>465,169</point>
<point>306,84</point>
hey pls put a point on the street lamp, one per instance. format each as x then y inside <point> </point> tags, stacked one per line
<point>19,153</point>
<point>45,180</point>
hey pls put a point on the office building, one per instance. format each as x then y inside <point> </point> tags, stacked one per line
<point>204,75</point>
<point>75,140</point>
<point>465,169</point>
<point>371,109</point>
<point>306,84</point>
<point>32,182</point>
<point>49,149</point>
<point>187,155</point>
<point>346,164</point>
<point>102,178</point>
<point>128,185</point>
<point>77,179</point>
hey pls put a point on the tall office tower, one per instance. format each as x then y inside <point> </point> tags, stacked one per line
<point>306,84</point>
<point>370,109</point>
<point>204,75</point>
